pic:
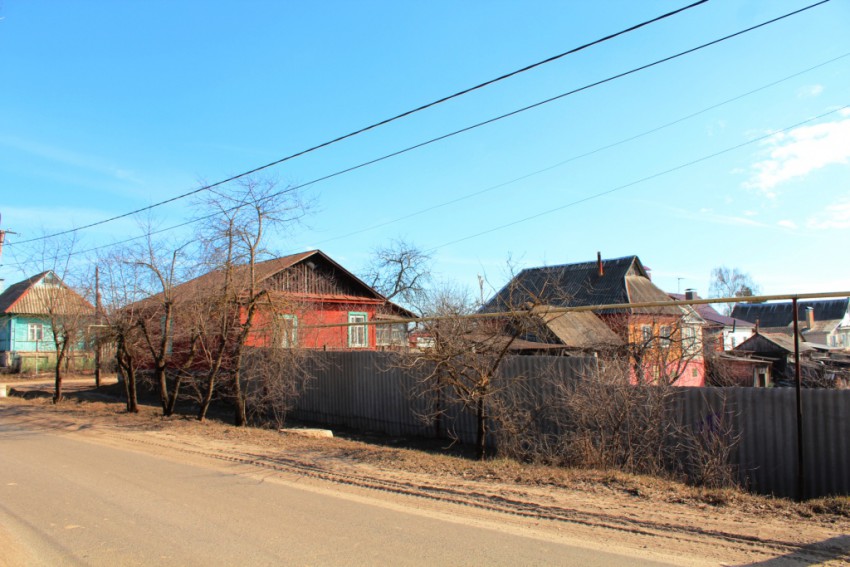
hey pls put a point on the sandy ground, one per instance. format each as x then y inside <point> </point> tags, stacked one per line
<point>648,516</point>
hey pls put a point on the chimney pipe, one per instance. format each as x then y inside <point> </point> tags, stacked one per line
<point>810,318</point>
<point>690,294</point>
<point>599,268</point>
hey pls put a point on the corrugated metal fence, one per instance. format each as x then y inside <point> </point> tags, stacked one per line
<point>365,391</point>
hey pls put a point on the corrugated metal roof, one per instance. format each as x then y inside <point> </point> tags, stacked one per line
<point>780,314</point>
<point>43,294</point>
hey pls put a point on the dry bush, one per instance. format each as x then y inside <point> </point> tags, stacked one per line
<point>599,419</point>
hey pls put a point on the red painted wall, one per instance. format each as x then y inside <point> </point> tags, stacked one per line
<point>310,334</point>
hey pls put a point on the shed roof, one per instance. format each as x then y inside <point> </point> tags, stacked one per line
<point>771,342</point>
<point>579,330</point>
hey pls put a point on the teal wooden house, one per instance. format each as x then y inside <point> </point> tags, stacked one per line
<point>26,311</point>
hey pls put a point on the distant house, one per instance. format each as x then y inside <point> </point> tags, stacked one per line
<point>664,341</point>
<point>28,311</point>
<point>825,322</point>
<point>307,295</point>
<point>778,349</point>
<point>720,332</point>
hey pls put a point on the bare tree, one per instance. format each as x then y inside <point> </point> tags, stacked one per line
<point>235,242</point>
<point>123,295</point>
<point>731,282</point>
<point>67,311</point>
<point>401,271</point>
<point>463,359</point>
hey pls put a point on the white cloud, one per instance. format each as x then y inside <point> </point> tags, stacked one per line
<point>750,214</point>
<point>797,153</point>
<point>785,223</point>
<point>836,215</point>
<point>809,91</point>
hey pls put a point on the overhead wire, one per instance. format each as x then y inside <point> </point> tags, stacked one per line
<point>581,155</point>
<point>460,131</point>
<point>637,182</point>
<point>381,122</point>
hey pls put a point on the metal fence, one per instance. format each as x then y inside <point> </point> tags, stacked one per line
<point>366,391</point>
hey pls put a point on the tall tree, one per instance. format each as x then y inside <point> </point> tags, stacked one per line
<point>400,271</point>
<point>731,282</point>
<point>244,216</point>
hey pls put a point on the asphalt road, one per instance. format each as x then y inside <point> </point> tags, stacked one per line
<point>68,500</point>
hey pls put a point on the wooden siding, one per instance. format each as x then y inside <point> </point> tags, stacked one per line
<point>17,338</point>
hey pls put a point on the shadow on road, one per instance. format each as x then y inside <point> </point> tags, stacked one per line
<point>813,554</point>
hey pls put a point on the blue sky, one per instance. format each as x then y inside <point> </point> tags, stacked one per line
<point>106,107</point>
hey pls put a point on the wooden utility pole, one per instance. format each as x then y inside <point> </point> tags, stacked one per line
<point>97,349</point>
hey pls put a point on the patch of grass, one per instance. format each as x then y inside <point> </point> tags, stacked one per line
<point>832,505</point>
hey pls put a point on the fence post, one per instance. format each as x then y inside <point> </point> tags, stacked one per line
<point>798,387</point>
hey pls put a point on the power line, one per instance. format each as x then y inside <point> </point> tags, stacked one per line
<point>456,132</point>
<point>382,122</point>
<point>633,183</point>
<point>582,155</point>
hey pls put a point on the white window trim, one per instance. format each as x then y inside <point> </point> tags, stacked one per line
<point>353,330</point>
<point>287,340</point>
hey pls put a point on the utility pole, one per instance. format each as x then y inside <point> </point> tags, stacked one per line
<point>97,309</point>
<point>3,234</point>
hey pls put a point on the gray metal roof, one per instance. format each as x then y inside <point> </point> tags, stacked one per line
<point>780,314</point>
<point>624,280</point>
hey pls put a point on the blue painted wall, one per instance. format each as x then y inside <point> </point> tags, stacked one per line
<point>14,334</point>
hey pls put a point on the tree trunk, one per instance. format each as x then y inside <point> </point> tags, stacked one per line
<point>481,433</point>
<point>240,415</point>
<point>130,388</point>
<point>60,356</point>
<point>207,399</point>
<point>172,399</point>
<point>163,388</point>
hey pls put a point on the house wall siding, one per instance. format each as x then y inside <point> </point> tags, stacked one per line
<point>20,341</point>
<point>310,334</point>
<point>6,333</point>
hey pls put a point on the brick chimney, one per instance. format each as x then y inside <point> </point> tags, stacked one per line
<point>690,294</point>
<point>599,269</point>
<point>810,317</point>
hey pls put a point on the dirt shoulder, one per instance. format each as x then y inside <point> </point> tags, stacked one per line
<point>668,520</point>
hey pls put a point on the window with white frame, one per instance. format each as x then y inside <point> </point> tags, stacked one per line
<point>646,333</point>
<point>689,340</point>
<point>36,332</point>
<point>665,332</point>
<point>287,331</point>
<point>358,335</point>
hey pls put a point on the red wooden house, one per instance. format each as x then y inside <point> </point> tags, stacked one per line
<point>313,302</point>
